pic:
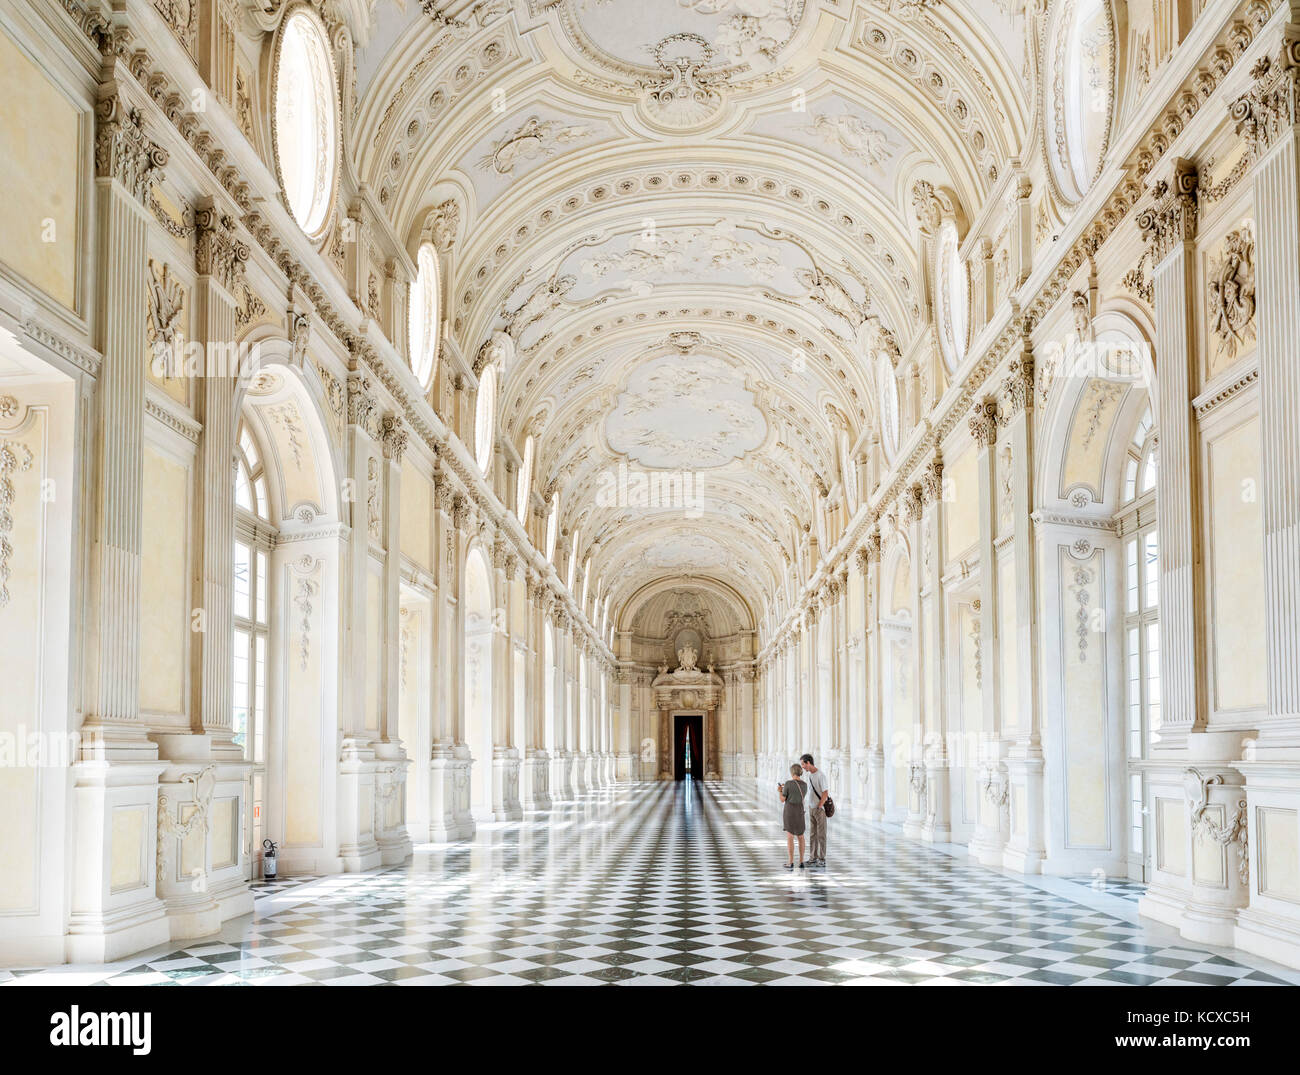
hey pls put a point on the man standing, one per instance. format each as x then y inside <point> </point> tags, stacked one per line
<point>816,811</point>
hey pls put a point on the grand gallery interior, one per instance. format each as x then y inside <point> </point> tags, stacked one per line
<point>454,457</point>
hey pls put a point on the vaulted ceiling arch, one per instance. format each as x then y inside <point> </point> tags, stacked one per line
<point>691,222</point>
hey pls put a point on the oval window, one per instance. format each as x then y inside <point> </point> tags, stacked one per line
<point>306,119</point>
<point>954,297</point>
<point>1083,60</point>
<point>422,316</point>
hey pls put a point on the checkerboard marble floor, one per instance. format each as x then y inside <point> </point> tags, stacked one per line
<point>662,884</point>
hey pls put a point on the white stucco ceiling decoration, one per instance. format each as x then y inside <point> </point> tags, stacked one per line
<point>722,253</point>
<point>525,141</point>
<point>686,551</point>
<point>685,412</point>
<point>731,175</point>
<point>735,33</point>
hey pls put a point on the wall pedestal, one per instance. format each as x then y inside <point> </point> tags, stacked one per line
<point>535,781</point>
<point>449,799</point>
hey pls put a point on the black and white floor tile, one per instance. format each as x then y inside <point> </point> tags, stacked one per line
<point>661,884</point>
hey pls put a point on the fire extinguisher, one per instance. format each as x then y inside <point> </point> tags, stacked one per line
<point>268,860</point>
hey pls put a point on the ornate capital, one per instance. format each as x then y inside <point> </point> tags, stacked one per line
<point>912,503</point>
<point>1171,218</point>
<point>459,512</point>
<point>1271,107</point>
<point>443,222</point>
<point>123,151</point>
<point>1017,388</point>
<point>932,481</point>
<point>218,251</point>
<point>930,205</point>
<point>361,402</point>
<point>984,422</point>
<point>512,566</point>
<point>393,433</point>
<point>871,546</point>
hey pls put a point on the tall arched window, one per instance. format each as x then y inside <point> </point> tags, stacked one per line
<point>552,526</point>
<point>485,412</point>
<point>1136,521</point>
<point>306,119</point>
<point>250,596</point>
<point>525,486</point>
<point>422,316</point>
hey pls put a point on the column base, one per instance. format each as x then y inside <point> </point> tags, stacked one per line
<point>534,781</point>
<point>115,909</point>
<point>937,828</point>
<point>561,786</point>
<point>449,799</point>
<point>1269,935</point>
<point>106,938</point>
<point>1022,860</point>
<point>986,846</point>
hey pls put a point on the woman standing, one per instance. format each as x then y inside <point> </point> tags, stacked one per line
<point>793,792</point>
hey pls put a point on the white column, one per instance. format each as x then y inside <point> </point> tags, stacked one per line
<point>1026,848</point>
<point>1169,227</point>
<point>994,805</point>
<point>116,779</point>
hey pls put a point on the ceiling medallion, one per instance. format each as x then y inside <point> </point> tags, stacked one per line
<point>685,97</point>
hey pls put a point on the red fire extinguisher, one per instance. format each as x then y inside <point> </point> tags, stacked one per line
<point>268,860</point>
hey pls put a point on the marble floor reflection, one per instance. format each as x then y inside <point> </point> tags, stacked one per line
<point>671,883</point>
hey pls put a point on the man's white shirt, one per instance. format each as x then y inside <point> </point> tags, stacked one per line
<point>817,782</point>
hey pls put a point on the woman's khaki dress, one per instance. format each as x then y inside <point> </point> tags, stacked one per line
<point>792,820</point>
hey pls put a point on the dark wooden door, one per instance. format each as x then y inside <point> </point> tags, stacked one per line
<point>688,726</point>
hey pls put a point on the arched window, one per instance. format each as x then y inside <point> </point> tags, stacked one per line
<point>422,316</point>
<point>1136,521</point>
<point>586,573</point>
<point>552,526</point>
<point>485,411</point>
<point>953,296</point>
<point>250,479</point>
<point>525,486</point>
<point>251,607</point>
<point>1140,466</point>
<point>306,119</point>
<point>887,393</point>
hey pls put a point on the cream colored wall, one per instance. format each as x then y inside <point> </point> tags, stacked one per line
<point>1236,538</point>
<point>304,676</point>
<point>1279,853</point>
<point>40,164</point>
<point>1007,655</point>
<point>164,606</point>
<point>961,512</point>
<point>417,516</point>
<point>20,661</point>
<point>374,646</point>
<point>1084,657</point>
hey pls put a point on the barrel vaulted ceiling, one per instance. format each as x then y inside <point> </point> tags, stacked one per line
<point>686,226</point>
